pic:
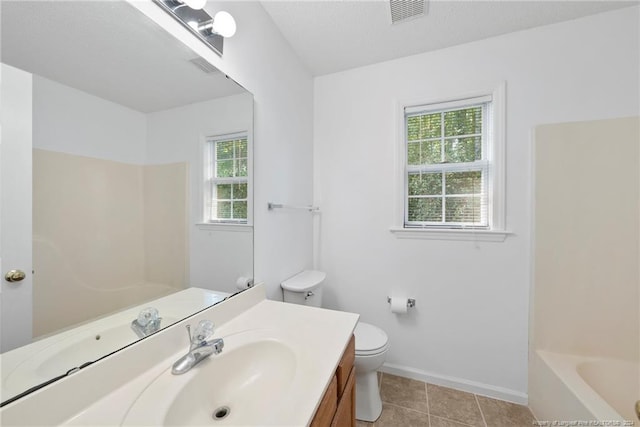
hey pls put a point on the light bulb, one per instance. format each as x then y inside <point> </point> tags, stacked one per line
<point>195,4</point>
<point>224,24</point>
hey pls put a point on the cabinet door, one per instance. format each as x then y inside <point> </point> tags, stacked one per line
<point>345,365</point>
<point>327,408</point>
<point>346,412</point>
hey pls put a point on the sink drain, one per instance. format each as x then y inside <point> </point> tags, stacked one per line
<point>221,413</point>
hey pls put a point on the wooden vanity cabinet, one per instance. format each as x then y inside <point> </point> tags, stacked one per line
<point>338,405</point>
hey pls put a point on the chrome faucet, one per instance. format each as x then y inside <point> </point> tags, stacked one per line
<point>200,347</point>
<point>148,322</point>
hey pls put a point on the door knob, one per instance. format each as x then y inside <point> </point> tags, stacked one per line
<point>14,276</point>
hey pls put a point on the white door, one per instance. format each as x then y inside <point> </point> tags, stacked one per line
<point>15,206</point>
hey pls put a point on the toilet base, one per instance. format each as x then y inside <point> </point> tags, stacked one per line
<point>368,402</point>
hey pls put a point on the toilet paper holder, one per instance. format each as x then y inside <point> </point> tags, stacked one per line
<point>411,302</point>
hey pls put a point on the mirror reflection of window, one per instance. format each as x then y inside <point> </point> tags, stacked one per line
<point>227,178</point>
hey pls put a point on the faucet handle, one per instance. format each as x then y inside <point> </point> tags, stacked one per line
<point>148,315</point>
<point>203,331</point>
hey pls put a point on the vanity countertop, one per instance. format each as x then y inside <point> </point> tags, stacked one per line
<point>317,338</point>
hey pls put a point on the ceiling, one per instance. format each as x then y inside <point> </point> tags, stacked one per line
<point>331,36</point>
<point>108,49</point>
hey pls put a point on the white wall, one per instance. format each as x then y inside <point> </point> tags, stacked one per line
<point>218,254</point>
<point>470,326</point>
<point>259,58</point>
<point>74,122</point>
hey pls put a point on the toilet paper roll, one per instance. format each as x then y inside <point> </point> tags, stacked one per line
<point>243,282</point>
<point>399,305</point>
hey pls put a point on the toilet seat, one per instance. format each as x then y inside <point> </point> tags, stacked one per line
<point>370,340</point>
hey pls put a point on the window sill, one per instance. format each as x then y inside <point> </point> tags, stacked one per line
<point>224,226</point>
<point>450,234</point>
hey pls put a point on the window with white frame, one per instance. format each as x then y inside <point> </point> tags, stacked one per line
<point>448,162</point>
<point>226,179</point>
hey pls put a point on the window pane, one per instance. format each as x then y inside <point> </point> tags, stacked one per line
<point>463,149</point>
<point>223,191</point>
<point>240,210</point>
<point>239,191</point>
<point>431,152</point>
<point>241,167</point>
<point>423,127</point>
<point>224,150</point>
<point>241,148</point>
<point>425,184</point>
<point>463,122</point>
<point>430,125</point>
<point>413,128</point>
<point>413,153</point>
<point>224,168</point>
<point>463,182</point>
<point>463,209</point>
<point>224,210</point>
<point>425,209</point>
<point>425,152</point>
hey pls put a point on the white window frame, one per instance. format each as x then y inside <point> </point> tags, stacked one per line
<point>495,155</point>
<point>209,182</point>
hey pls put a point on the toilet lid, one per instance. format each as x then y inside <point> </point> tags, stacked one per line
<point>369,339</point>
<point>304,281</point>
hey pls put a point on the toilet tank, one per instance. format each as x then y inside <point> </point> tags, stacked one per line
<point>304,288</point>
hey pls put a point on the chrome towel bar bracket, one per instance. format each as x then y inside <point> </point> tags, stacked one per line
<point>310,208</point>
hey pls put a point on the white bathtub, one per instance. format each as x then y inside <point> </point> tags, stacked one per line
<point>566,387</point>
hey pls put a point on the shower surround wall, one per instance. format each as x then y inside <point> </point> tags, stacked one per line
<point>100,214</point>
<point>586,270</point>
<point>586,278</point>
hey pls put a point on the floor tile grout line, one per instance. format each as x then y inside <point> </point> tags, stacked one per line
<point>404,407</point>
<point>453,421</point>
<point>399,405</point>
<point>480,408</point>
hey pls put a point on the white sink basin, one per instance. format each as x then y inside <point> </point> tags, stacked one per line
<point>246,384</point>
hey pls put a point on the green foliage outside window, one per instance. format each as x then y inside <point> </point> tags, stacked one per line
<point>230,198</point>
<point>445,137</point>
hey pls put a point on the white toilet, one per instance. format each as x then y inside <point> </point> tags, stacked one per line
<point>371,343</point>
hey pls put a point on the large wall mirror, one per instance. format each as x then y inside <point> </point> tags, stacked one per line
<point>139,171</point>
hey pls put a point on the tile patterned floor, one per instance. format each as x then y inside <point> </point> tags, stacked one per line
<point>411,403</point>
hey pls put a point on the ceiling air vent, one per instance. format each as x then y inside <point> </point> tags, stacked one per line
<point>405,9</point>
<point>204,65</point>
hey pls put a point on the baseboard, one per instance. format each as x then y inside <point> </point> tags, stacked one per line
<point>494,392</point>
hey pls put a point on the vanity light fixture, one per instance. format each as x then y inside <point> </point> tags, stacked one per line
<point>211,30</point>
<point>222,23</point>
